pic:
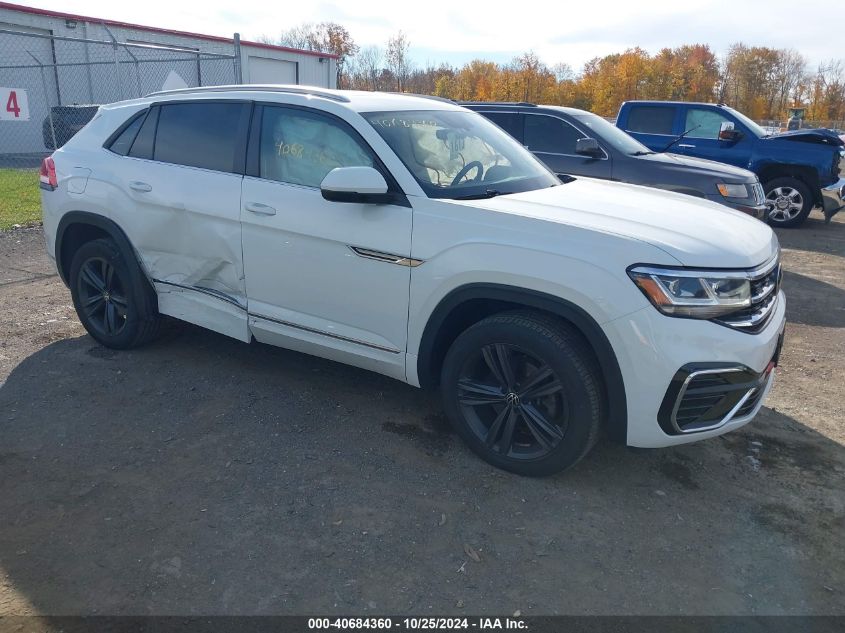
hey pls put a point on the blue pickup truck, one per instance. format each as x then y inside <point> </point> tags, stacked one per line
<point>799,170</point>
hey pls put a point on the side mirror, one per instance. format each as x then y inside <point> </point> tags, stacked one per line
<point>727,132</point>
<point>588,147</point>
<point>355,184</point>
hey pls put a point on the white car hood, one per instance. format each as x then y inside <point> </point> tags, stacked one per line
<point>695,232</point>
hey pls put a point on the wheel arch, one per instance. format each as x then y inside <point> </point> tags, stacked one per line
<point>78,227</point>
<point>805,174</point>
<point>470,303</point>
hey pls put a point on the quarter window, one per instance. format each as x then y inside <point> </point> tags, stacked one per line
<point>142,146</point>
<point>550,135</point>
<point>301,147</point>
<point>704,123</point>
<point>651,119</point>
<point>124,140</point>
<point>199,135</point>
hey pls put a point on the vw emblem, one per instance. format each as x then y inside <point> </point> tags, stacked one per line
<point>512,399</point>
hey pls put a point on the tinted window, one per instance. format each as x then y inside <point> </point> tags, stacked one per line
<point>704,123</point>
<point>301,147</point>
<point>142,147</point>
<point>199,135</point>
<point>510,122</point>
<point>124,140</point>
<point>651,119</point>
<point>550,134</point>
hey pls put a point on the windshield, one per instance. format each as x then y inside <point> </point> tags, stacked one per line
<point>612,135</point>
<point>455,154</point>
<point>756,130</point>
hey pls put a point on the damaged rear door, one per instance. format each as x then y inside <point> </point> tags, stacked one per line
<point>184,176</point>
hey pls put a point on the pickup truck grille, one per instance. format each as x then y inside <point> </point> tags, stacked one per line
<point>765,284</point>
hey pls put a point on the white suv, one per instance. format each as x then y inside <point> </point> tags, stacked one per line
<point>414,238</point>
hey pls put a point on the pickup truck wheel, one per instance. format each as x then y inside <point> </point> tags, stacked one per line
<point>788,202</point>
<point>112,298</point>
<point>524,392</point>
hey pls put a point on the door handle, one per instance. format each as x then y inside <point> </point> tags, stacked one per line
<point>686,145</point>
<point>260,209</point>
<point>137,185</point>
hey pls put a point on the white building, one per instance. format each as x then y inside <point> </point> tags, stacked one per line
<point>61,59</point>
<point>260,63</point>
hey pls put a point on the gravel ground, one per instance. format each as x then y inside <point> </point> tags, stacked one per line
<point>200,475</point>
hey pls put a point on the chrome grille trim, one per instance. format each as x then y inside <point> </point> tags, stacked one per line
<point>765,285</point>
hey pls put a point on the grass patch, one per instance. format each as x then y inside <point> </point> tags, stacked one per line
<point>20,197</point>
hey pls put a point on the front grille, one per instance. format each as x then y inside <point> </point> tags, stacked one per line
<point>765,284</point>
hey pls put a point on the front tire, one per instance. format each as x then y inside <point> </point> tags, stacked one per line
<point>524,391</point>
<point>113,300</point>
<point>788,202</point>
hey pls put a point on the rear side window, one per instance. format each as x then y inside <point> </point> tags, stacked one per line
<point>203,135</point>
<point>510,122</point>
<point>651,119</point>
<point>124,140</point>
<point>550,135</point>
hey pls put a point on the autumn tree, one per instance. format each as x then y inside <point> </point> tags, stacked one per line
<point>397,58</point>
<point>325,37</point>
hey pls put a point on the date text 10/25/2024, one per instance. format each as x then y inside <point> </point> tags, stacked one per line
<point>415,624</point>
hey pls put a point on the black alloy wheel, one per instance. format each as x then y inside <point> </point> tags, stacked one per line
<point>524,391</point>
<point>513,401</point>
<point>102,295</point>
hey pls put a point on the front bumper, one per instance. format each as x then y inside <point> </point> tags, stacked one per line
<point>652,348</point>
<point>833,199</point>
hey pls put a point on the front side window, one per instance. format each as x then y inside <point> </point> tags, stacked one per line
<point>612,135</point>
<point>199,134</point>
<point>459,154</point>
<point>651,119</point>
<point>704,123</point>
<point>550,135</point>
<point>300,147</point>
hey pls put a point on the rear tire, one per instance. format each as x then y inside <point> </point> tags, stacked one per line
<point>525,393</point>
<point>788,202</point>
<point>113,299</point>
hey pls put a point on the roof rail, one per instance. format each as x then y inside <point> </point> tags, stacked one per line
<point>421,96</point>
<point>301,90</point>
<point>502,103</point>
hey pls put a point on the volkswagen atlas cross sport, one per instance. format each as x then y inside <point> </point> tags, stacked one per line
<point>414,238</point>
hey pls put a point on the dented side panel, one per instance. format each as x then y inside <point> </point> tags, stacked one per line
<point>188,242</point>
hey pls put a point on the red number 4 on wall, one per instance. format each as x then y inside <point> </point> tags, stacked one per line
<point>12,104</point>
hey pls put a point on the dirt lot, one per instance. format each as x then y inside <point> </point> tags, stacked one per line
<point>203,475</point>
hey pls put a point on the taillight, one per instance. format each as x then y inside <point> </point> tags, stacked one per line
<point>48,174</point>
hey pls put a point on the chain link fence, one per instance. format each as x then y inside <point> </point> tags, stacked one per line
<point>51,86</point>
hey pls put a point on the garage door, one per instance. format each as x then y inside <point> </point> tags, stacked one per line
<point>263,70</point>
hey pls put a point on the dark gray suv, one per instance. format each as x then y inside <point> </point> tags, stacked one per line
<point>578,143</point>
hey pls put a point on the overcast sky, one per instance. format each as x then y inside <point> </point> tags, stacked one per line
<point>458,31</point>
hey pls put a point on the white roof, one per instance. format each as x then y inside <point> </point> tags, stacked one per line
<point>357,100</point>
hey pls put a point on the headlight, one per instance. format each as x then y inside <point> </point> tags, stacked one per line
<point>699,294</point>
<point>733,191</point>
